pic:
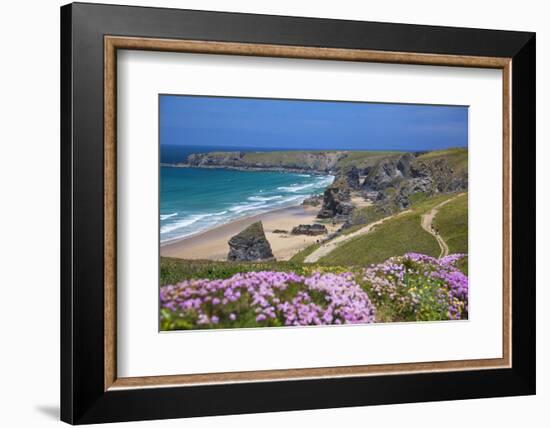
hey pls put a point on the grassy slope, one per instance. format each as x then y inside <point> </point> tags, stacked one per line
<point>275,157</point>
<point>300,256</point>
<point>173,270</point>
<point>363,159</point>
<point>392,238</point>
<point>452,223</point>
<point>456,157</point>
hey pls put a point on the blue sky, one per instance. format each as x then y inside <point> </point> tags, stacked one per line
<point>293,124</point>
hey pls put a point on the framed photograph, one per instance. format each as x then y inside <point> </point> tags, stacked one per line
<point>265,213</point>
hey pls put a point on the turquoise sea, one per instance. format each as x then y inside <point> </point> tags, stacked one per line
<point>196,199</point>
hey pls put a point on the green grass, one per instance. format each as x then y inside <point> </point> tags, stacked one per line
<point>452,223</point>
<point>417,198</point>
<point>275,157</point>
<point>394,237</point>
<point>300,256</point>
<point>296,157</point>
<point>360,217</point>
<point>174,270</point>
<point>456,157</point>
<point>363,159</point>
<point>399,235</point>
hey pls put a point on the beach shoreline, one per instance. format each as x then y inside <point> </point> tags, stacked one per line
<point>211,244</point>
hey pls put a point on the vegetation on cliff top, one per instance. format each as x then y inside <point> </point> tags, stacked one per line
<point>413,287</point>
<point>457,158</point>
<point>319,160</point>
<point>452,224</point>
<point>403,234</point>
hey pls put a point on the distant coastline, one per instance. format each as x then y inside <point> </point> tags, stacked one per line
<point>248,168</point>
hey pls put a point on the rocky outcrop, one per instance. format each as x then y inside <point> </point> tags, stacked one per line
<point>393,180</point>
<point>388,172</point>
<point>313,201</point>
<point>351,176</point>
<point>336,202</point>
<point>250,245</point>
<point>444,179</point>
<point>215,159</point>
<point>309,229</point>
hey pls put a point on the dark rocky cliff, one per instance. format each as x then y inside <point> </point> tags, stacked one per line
<point>391,181</point>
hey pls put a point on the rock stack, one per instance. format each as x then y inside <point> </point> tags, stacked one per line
<point>250,245</point>
<point>336,202</point>
<point>309,229</point>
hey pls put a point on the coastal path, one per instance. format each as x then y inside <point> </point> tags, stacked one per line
<point>328,246</point>
<point>426,221</point>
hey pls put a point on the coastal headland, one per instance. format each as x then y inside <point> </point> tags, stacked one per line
<point>368,186</point>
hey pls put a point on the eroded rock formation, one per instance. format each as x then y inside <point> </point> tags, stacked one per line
<point>309,229</point>
<point>250,245</point>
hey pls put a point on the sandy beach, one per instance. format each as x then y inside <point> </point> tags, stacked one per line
<point>212,244</point>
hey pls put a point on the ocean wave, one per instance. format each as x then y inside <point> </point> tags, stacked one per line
<point>264,198</point>
<point>246,207</point>
<point>325,179</point>
<point>321,182</point>
<point>287,201</point>
<point>188,221</point>
<point>265,205</point>
<point>167,216</point>
<point>296,187</point>
<point>177,225</point>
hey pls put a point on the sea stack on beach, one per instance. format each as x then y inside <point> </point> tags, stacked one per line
<point>336,202</point>
<point>309,229</point>
<point>250,245</point>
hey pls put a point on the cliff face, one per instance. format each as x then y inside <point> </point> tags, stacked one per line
<point>336,202</point>
<point>320,162</point>
<point>389,182</point>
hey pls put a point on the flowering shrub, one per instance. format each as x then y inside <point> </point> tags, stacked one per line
<point>265,299</point>
<point>416,287</point>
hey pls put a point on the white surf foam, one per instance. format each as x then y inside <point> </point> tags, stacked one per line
<point>297,187</point>
<point>167,216</point>
<point>264,198</point>
<point>188,221</point>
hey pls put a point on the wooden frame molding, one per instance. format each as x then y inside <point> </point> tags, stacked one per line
<point>113,43</point>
